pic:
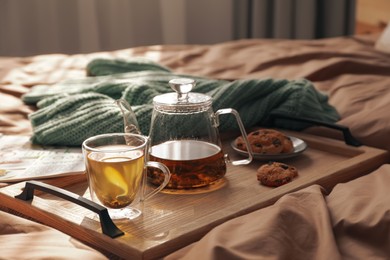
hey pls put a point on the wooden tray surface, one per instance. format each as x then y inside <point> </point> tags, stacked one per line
<point>172,220</point>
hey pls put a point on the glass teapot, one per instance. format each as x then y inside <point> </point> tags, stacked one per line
<point>184,136</point>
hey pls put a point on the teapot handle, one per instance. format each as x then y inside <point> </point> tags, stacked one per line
<point>243,133</point>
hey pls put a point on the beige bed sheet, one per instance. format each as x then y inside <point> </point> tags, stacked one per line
<point>354,74</point>
<point>352,222</point>
<point>24,239</point>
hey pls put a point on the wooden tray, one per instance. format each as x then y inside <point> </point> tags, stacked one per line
<point>172,220</point>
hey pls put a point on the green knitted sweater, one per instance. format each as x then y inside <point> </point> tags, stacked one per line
<point>71,111</point>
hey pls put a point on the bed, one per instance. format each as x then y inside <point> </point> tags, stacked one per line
<point>350,222</point>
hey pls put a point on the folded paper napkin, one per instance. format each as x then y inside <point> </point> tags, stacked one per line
<point>71,111</point>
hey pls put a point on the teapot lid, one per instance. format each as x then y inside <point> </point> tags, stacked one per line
<point>182,100</point>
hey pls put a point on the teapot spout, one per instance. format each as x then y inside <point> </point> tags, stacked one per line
<point>129,119</point>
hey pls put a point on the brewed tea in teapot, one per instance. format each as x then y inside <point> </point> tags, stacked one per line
<point>184,136</point>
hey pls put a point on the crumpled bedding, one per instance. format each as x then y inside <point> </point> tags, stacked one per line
<point>349,69</point>
<point>23,239</point>
<point>352,222</point>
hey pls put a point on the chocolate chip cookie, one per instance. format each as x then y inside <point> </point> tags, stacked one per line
<point>274,174</point>
<point>267,141</point>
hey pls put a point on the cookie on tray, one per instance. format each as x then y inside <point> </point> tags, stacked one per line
<point>275,174</point>
<point>267,141</point>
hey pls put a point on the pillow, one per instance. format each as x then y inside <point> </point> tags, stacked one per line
<point>383,42</point>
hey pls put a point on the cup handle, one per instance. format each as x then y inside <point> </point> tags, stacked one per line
<point>167,177</point>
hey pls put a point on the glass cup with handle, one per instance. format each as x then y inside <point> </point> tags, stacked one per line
<point>116,171</point>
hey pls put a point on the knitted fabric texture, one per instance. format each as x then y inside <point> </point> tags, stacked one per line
<point>71,111</point>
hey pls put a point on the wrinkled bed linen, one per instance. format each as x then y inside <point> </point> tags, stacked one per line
<point>349,69</point>
<point>352,222</point>
<point>24,239</point>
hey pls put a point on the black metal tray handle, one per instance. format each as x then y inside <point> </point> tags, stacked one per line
<point>348,137</point>
<point>107,225</point>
